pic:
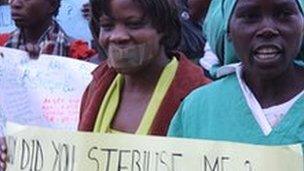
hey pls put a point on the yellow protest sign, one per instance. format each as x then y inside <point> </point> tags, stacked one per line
<point>38,149</point>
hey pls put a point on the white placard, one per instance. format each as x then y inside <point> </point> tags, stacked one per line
<point>44,92</point>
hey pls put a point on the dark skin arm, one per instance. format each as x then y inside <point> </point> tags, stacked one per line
<point>34,49</point>
<point>197,8</point>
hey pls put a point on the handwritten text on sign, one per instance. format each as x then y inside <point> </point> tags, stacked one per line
<point>44,92</point>
<point>40,149</point>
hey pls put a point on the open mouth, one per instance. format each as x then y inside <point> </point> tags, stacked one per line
<point>267,54</point>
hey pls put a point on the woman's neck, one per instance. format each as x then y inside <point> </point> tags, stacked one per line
<point>270,92</point>
<point>33,34</point>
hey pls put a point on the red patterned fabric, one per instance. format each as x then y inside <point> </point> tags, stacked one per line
<point>187,78</point>
<point>80,50</point>
<point>4,38</point>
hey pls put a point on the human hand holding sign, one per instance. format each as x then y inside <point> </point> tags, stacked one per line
<point>34,50</point>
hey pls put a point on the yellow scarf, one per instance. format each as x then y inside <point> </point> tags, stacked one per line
<point>110,102</point>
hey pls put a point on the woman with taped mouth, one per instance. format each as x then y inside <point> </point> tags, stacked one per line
<point>140,86</point>
<point>261,101</point>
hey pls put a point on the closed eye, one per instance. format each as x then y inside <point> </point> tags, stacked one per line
<point>284,14</point>
<point>136,24</point>
<point>249,16</point>
<point>248,13</point>
<point>106,27</point>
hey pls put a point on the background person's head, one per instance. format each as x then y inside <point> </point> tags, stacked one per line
<point>266,35</point>
<point>33,13</point>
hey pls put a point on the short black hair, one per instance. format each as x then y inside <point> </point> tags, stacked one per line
<point>162,13</point>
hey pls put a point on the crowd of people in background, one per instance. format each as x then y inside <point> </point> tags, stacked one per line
<point>208,69</point>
